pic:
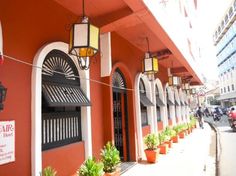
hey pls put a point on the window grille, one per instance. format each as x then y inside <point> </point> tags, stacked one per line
<point>118,81</point>
<point>60,128</point>
<point>62,98</point>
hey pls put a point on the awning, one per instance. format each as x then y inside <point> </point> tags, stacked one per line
<point>227,96</point>
<point>159,101</point>
<point>170,102</point>
<point>182,103</point>
<point>177,103</point>
<point>145,100</point>
<point>186,102</point>
<point>59,95</point>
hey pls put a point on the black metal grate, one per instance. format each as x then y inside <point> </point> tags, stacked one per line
<point>117,115</point>
<point>59,129</point>
<point>118,81</point>
<point>58,95</point>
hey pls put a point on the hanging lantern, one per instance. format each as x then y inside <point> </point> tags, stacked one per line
<point>193,91</point>
<point>3,92</point>
<point>84,41</point>
<point>174,80</point>
<point>150,64</point>
<point>186,86</point>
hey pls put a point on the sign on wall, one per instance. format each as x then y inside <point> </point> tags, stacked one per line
<point>7,142</point>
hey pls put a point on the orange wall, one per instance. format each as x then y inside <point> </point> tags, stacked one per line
<point>146,130</point>
<point>66,160</point>
<point>26,28</point>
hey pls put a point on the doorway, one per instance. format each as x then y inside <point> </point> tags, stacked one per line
<point>120,115</point>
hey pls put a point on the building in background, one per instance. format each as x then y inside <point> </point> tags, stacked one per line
<point>225,42</point>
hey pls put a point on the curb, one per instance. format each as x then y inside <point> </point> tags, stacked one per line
<point>217,146</point>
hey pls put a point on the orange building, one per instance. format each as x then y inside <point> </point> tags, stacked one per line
<point>63,114</point>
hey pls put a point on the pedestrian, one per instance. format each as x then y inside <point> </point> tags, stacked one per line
<point>200,116</point>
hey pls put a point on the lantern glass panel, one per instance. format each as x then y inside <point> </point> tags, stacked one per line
<point>147,65</point>
<point>94,39</point>
<point>175,80</point>
<point>80,35</point>
<point>155,64</point>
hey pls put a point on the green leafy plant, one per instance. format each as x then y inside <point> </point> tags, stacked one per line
<point>110,157</point>
<point>49,171</point>
<point>151,141</point>
<point>90,168</point>
<point>170,132</point>
<point>163,137</point>
<point>178,128</point>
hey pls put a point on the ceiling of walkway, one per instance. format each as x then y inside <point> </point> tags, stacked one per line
<point>132,20</point>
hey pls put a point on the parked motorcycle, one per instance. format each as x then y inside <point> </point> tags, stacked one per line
<point>216,116</point>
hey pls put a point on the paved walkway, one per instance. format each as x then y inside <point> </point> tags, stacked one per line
<point>192,156</point>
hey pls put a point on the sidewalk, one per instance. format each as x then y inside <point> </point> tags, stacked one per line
<point>192,156</point>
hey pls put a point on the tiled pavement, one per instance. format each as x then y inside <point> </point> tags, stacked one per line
<point>192,156</point>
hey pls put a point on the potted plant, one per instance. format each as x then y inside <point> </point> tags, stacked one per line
<point>151,141</point>
<point>49,171</point>
<point>175,137</point>
<point>90,168</point>
<point>180,130</point>
<point>171,133</point>
<point>110,158</point>
<point>163,146</point>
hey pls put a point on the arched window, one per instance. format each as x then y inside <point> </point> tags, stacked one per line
<point>62,98</point>
<point>118,81</point>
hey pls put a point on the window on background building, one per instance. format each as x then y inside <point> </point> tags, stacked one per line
<point>219,30</point>
<point>230,11</point>
<point>62,98</point>
<point>232,87</point>
<point>222,24</point>
<point>228,89</point>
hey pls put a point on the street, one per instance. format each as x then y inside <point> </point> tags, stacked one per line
<point>227,141</point>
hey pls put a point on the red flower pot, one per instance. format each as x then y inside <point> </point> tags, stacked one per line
<point>163,148</point>
<point>175,139</point>
<point>182,134</point>
<point>152,155</point>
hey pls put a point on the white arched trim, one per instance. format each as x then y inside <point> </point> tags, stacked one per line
<point>149,91</point>
<point>36,106</point>
<point>171,107</point>
<point>181,97</point>
<point>158,83</point>
<point>177,108</point>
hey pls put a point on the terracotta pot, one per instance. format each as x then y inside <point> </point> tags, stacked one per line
<point>182,134</point>
<point>169,143</point>
<point>163,148</point>
<point>115,173</point>
<point>175,139</point>
<point>152,155</point>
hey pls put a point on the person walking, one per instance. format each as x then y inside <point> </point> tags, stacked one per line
<point>200,116</point>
